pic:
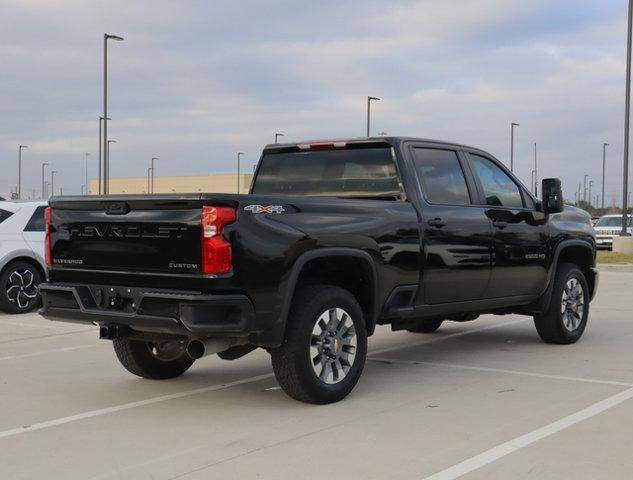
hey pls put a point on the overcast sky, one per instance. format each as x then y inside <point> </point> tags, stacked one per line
<point>196,81</point>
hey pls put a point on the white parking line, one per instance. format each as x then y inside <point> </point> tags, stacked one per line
<point>187,393</point>
<point>46,352</point>
<point>500,370</point>
<point>515,444</point>
<point>128,406</point>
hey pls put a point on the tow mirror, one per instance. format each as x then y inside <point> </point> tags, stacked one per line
<point>552,195</point>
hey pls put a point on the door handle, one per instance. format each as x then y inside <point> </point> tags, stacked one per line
<point>500,224</point>
<point>437,222</point>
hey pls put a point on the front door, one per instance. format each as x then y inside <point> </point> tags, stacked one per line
<point>520,237</point>
<point>457,236</point>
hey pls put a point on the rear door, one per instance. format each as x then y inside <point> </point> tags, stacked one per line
<point>457,236</point>
<point>520,238</point>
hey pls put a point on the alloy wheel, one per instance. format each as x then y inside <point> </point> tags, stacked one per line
<point>572,304</point>
<point>21,288</point>
<point>333,345</point>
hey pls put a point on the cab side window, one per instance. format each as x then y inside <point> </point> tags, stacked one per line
<point>441,176</point>
<point>4,214</point>
<point>499,189</point>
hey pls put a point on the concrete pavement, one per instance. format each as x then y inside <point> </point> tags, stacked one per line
<point>477,400</point>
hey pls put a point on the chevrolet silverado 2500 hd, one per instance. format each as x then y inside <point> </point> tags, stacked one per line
<point>333,238</point>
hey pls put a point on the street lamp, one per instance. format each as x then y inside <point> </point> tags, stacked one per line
<point>535,173</point>
<point>44,165</point>
<point>149,176</point>
<point>512,125</point>
<point>20,147</point>
<point>239,155</point>
<point>369,99</point>
<point>604,163</point>
<point>277,135</point>
<point>584,188</point>
<point>86,161</point>
<point>590,185</point>
<point>627,113</point>
<point>100,159</point>
<point>106,169</point>
<point>153,170</point>
<point>53,182</point>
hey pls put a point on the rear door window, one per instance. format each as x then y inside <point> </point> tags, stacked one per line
<point>4,214</point>
<point>441,176</point>
<point>36,222</point>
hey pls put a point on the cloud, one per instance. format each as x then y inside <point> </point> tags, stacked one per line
<point>195,82</point>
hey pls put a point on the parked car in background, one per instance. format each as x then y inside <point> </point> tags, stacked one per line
<point>22,264</point>
<point>608,227</point>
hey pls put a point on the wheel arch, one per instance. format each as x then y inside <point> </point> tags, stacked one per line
<point>577,252</point>
<point>356,272</point>
<point>27,259</point>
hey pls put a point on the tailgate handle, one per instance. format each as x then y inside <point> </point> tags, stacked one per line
<point>118,208</point>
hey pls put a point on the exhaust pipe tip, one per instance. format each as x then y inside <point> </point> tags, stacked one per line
<point>195,349</point>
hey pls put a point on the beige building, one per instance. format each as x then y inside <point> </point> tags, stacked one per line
<point>218,183</point>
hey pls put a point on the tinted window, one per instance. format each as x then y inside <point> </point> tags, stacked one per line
<point>36,223</point>
<point>365,172</point>
<point>4,214</point>
<point>441,176</point>
<point>499,188</point>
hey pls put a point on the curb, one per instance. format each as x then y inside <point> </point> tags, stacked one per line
<point>614,267</point>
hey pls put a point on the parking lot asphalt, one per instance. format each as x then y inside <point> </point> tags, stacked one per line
<point>478,400</point>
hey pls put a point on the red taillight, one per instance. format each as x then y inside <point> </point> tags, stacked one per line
<point>216,252</point>
<point>47,240</point>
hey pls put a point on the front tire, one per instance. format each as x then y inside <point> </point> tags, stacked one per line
<point>19,288</point>
<point>323,354</point>
<point>153,360</point>
<point>565,320</point>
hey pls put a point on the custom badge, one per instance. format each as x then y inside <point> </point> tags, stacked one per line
<point>265,209</point>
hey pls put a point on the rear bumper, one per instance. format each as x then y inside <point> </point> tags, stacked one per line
<point>190,314</point>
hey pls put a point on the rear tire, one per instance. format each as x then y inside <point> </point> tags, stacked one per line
<point>154,360</point>
<point>18,288</point>
<point>426,326</point>
<point>566,317</point>
<point>323,354</point>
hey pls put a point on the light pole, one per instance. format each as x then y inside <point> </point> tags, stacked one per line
<point>239,155</point>
<point>512,125</point>
<point>604,163</point>
<point>53,182</point>
<point>20,147</point>
<point>86,161</point>
<point>369,99</point>
<point>106,169</point>
<point>535,173</point>
<point>627,113</point>
<point>277,135</point>
<point>100,159</point>
<point>590,185</point>
<point>153,170</point>
<point>584,188</point>
<point>149,176</point>
<point>44,165</point>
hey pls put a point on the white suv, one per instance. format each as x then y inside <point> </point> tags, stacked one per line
<point>22,264</point>
<point>608,227</point>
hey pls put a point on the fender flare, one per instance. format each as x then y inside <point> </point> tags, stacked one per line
<point>290,286</point>
<point>547,294</point>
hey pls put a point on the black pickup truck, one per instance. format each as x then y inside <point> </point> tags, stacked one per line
<point>334,238</point>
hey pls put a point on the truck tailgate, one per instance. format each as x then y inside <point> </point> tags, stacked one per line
<point>149,234</point>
